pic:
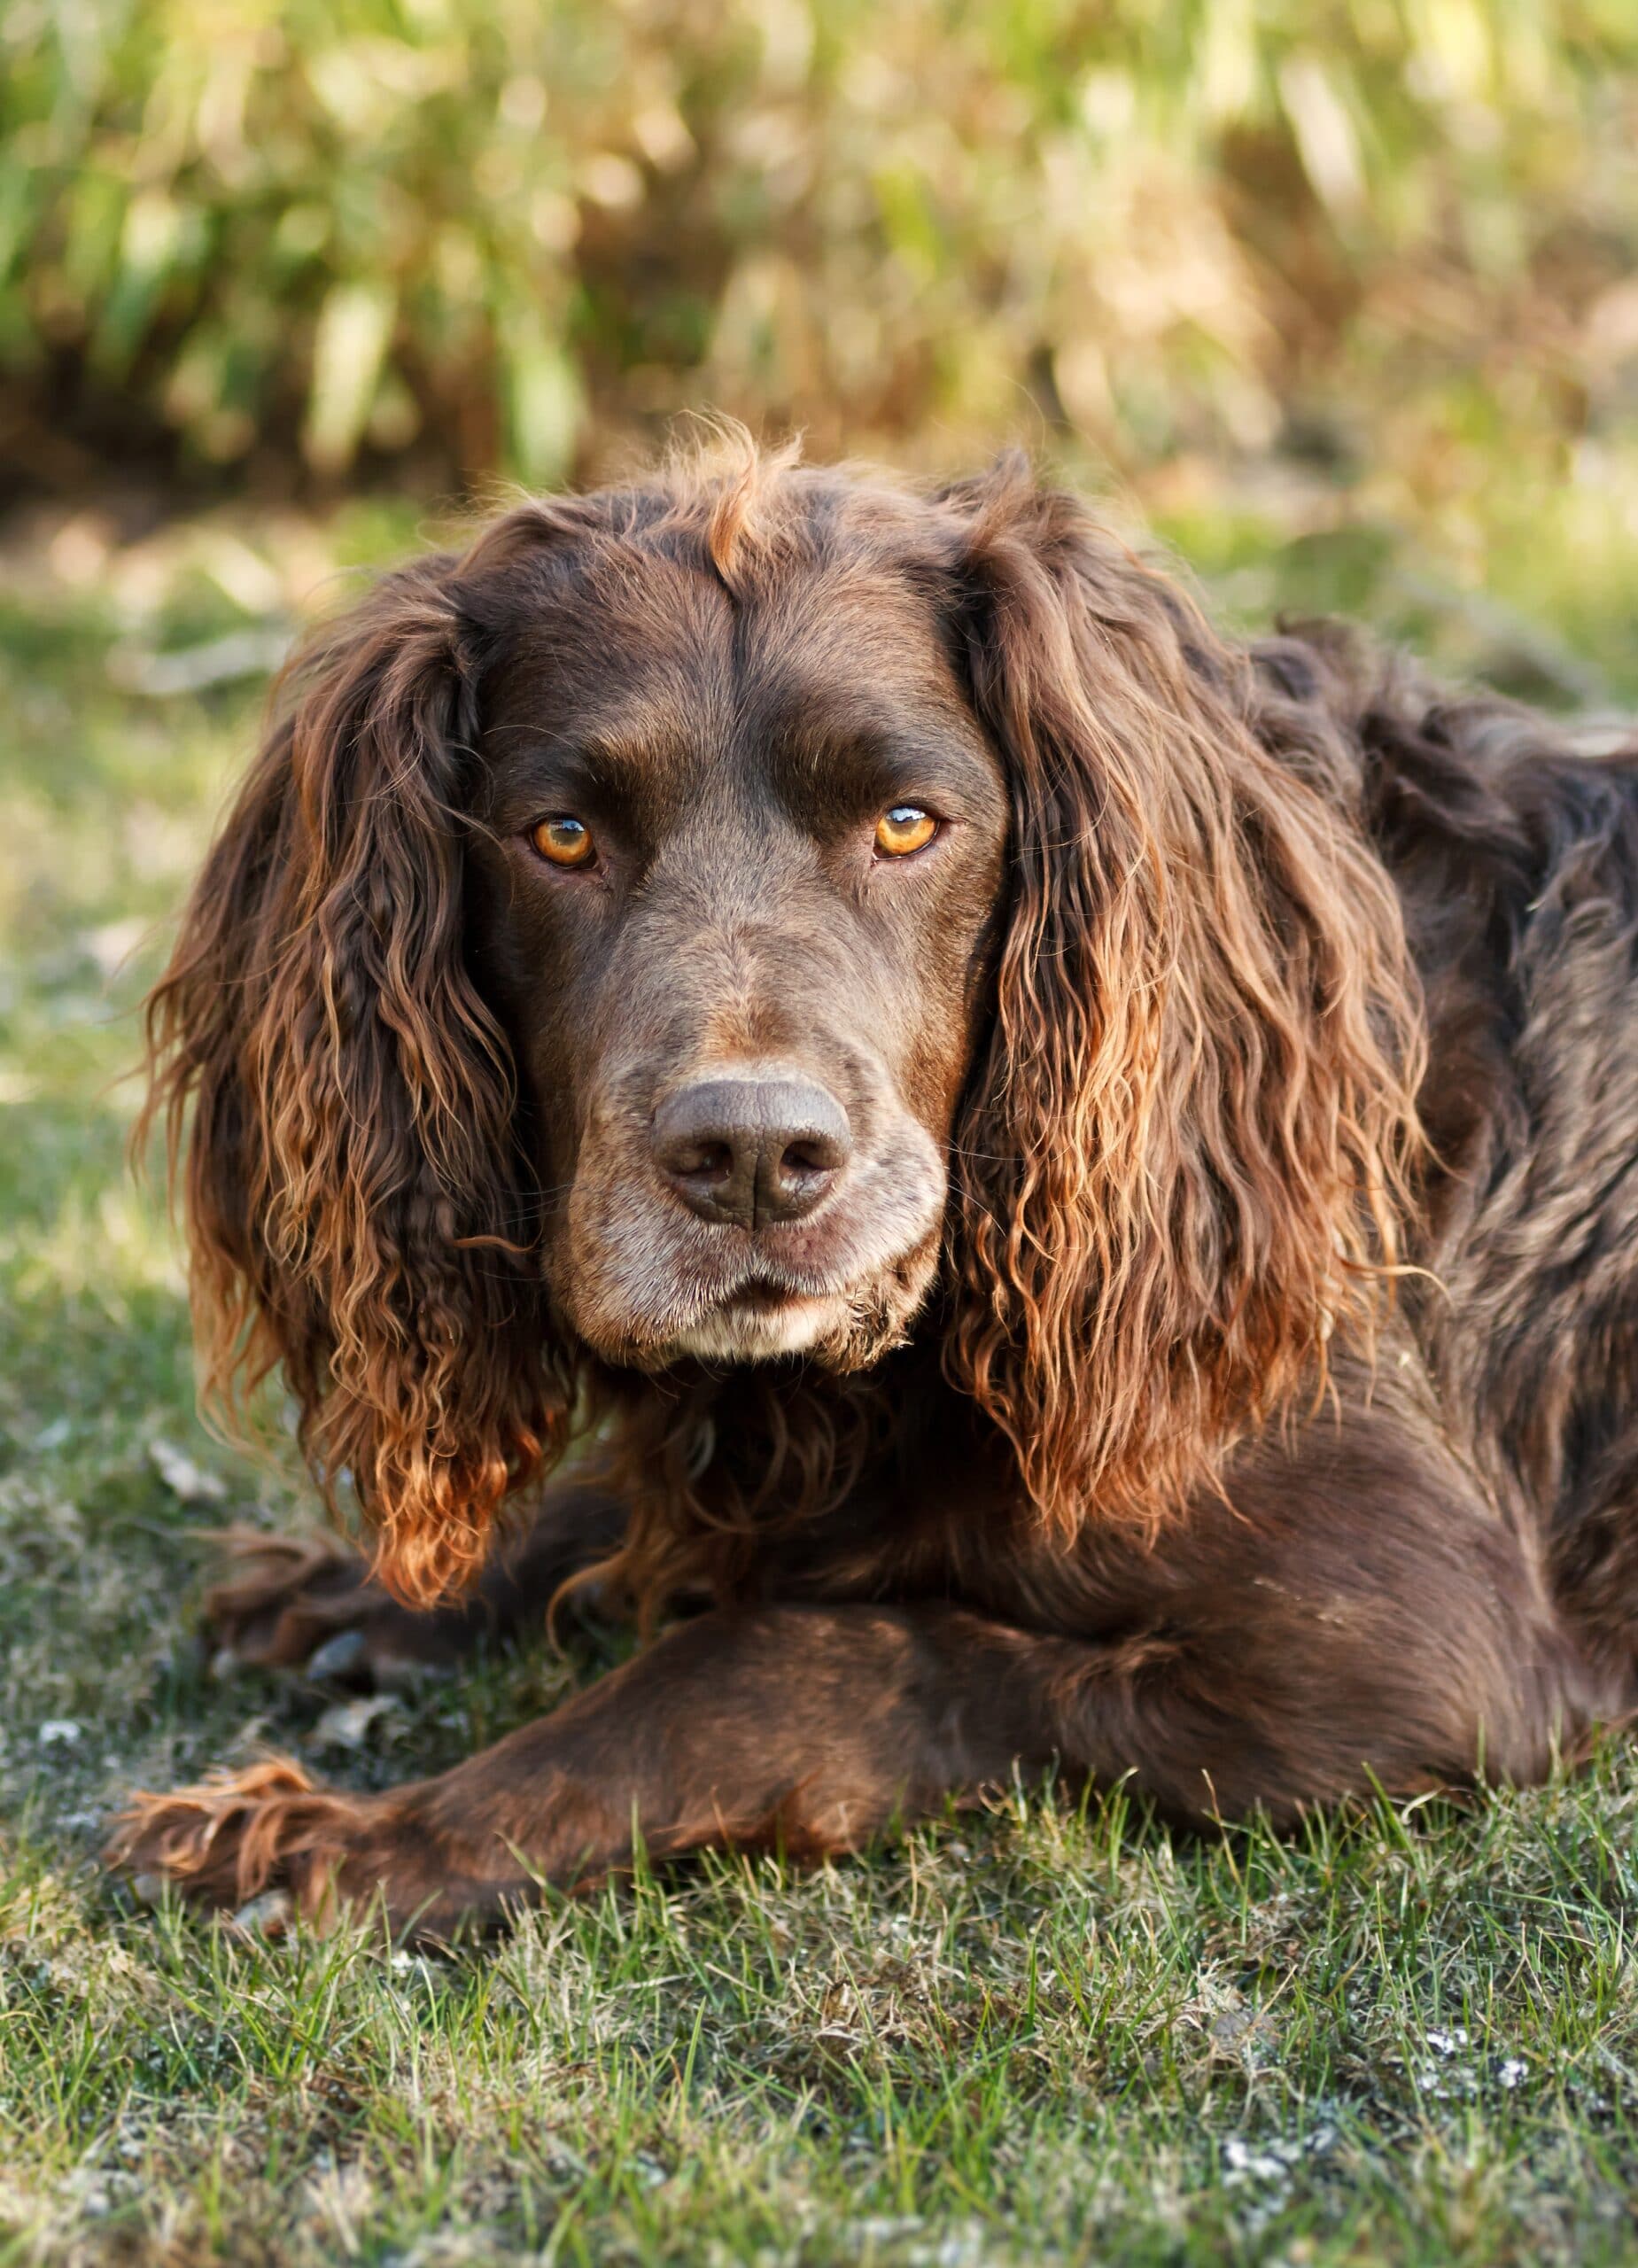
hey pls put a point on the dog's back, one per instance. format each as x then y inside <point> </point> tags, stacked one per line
<point>1516,851</point>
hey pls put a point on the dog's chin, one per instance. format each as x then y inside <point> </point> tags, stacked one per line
<point>842,1331</point>
<point>757,1331</point>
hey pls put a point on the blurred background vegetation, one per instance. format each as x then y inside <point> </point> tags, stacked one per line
<point>1358,276</point>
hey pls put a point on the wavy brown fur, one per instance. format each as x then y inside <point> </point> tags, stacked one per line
<point>352,1176</point>
<point>1186,1154</point>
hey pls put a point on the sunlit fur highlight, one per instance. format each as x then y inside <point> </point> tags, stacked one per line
<point>1185,1149</point>
<point>351,1180</point>
<point>1188,1147</point>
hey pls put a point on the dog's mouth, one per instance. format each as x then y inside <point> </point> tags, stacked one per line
<point>844,1326</point>
<point>762,1296</point>
<point>759,1319</point>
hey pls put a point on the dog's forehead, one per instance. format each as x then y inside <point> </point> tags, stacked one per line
<point>645,650</point>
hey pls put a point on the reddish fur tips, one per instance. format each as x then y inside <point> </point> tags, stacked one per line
<point>224,1840</point>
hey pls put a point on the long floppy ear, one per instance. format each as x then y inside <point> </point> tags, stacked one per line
<point>1184,1156</point>
<point>353,1187</point>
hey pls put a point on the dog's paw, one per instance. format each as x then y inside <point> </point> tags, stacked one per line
<point>308,1603</point>
<point>268,1845</point>
<point>262,1844</point>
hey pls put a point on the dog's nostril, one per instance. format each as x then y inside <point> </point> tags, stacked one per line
<point>702,1161</point>
<point>751,1151</point>
<point>810,1156</point>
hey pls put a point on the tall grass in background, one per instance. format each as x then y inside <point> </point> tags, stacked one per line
<point>1244,255</point>
<point>494,229</point>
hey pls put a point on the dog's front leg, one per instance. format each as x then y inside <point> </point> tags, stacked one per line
<point>1286,1682</point>
<point>809,1728</point>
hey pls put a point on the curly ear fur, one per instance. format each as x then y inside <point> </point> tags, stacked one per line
<point>351,1180</point>
<point>1186,1153</point>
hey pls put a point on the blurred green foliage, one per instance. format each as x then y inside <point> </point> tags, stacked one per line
<point>471,235</point>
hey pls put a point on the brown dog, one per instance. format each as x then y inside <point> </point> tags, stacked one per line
<point>1083,1177</point>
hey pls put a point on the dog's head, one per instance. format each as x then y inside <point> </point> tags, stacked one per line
<point>690,922</point>
<point>734,842</point>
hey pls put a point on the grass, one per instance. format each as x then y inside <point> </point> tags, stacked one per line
<point>1047,2033</point>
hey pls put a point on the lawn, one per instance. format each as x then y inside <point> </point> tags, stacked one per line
<point>1049,2032</point>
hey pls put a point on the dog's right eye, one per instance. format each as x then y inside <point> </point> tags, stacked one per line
<point>903,831</point>
<point>563,841</point>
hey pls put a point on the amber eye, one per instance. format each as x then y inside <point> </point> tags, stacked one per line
<point>906,828</point>
<point>566,842</point>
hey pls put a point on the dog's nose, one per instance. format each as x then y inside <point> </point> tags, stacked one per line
<point>751,1151</point>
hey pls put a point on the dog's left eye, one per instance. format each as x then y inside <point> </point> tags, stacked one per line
<point>564,841</point>
<point>904,828</point>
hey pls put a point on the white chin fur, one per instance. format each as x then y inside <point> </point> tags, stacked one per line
<point>755,1335</point>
